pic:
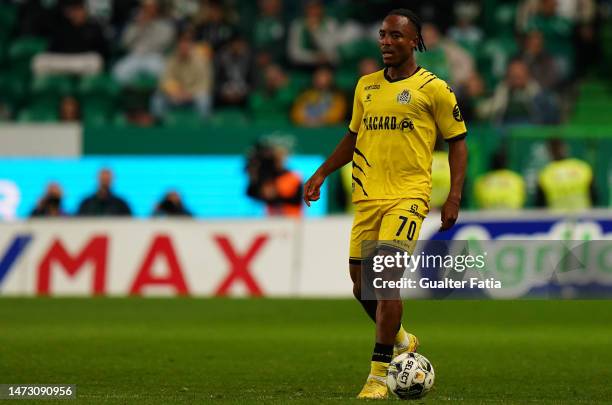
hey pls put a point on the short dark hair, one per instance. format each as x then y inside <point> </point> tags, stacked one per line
<point>415,20</point>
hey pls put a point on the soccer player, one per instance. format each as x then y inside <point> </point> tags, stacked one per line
<point>397,114</point>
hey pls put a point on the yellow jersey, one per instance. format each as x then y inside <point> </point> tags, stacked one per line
<point>500,190</point>
<point>396,122</point>
<point>566,184</point>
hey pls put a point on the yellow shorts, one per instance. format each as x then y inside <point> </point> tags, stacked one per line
<point>386,222</point>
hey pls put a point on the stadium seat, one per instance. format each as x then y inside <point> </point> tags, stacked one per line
<point>98,95</point>
<point>226,116</point>
<point>8,17</point>
<point>38,114</point>
<point>346,80</point>
<point>592,113</point>
<point>22,50</point>
<point>144,82</point>
<point>352,52</point>
<point>56,85</point>
<point>182,118</point>
<point>12,90</point>
<point>98,86</point>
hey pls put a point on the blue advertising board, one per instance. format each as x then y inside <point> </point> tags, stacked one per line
<point>210,186</point>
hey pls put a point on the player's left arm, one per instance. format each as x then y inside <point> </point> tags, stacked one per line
<point>457,159</point>
<point>452,127</point>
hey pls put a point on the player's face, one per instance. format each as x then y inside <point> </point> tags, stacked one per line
<point>397,40</point>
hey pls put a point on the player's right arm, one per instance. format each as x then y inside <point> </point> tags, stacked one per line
<point>340,156</point>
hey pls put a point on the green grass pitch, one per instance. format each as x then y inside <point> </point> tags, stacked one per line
<point>164,351</point>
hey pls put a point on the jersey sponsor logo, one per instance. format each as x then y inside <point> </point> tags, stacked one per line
<point>457,114</point>
<point>406,125</point>
<point>374,123</point>
<point>372,87</point>
<point>404,97</point>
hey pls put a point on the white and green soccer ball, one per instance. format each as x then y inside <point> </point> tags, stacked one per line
<point>410,376</point>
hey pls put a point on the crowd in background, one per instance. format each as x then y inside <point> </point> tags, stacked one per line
<point>103,202</point>
<point>291,62</point>
<point>161,62</point>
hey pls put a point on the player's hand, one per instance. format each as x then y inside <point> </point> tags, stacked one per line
<point>449,215</point>
<point>312,188</point>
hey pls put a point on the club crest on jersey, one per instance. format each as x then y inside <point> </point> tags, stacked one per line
<point>404,97</point>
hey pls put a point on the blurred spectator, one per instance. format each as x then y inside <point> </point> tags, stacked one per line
<point>557,31</point>
<point>273,100</point>
<point>470,95</point>
<point>187,80</point>
<point>368,66</point>
<point>501,188</point>
<point>103,202</point>
<point>577,11</point>
<point>518,99</point>
<point>122,12</point>
<point>77,44</point>
<point>50,204</point>
<point>234,72</point>
<point>465,32</point>
<point>36,17</point>
<point>313,39</point>
<point>444,57</point>
<point>541,64</point>
<point>212,24</point>
<point>322,104</point>
<point>171,206</point>
<point>565,184</point>
<point>269,32</point>
<point>271,182</point>
<point>182,11</point>
<point>146,39</point>
<point>69,110</point>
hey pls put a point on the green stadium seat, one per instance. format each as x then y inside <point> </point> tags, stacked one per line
<point>352,52</point>
<point>346,80</point>
<point>54,85</point>
<point>12,90</point>
<point>144,82</point>
<point>98,95</point>
<point>299,80</point>
<point>8,17</point>
<point>98,86</point>
<point>38,114</point>
<point>592,112</point>
<point>182,118</point>
<point>595,90</point>
<point>20,54</point>
<point>97,111</point>
<point>229,116</point>
<point>23,49</point>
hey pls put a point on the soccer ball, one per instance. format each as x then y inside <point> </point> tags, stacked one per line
<point>410,376</point>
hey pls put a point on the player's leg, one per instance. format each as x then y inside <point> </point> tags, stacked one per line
<point>408,214</point>
<point>401,225</point>
<point>369,305</point>
<point>366,226</point>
